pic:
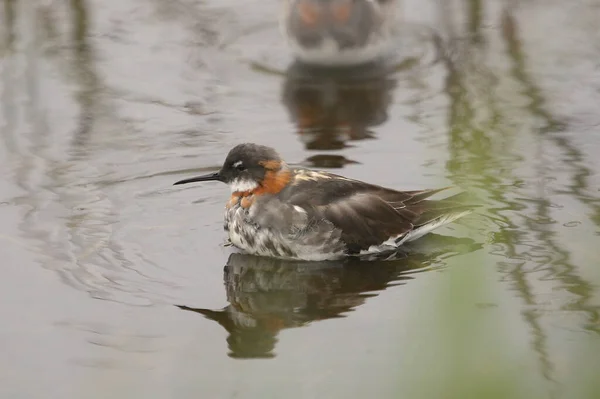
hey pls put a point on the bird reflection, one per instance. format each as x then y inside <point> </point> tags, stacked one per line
<point>268,295</point>
<point>333,106</point>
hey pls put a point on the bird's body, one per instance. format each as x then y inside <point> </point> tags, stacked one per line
<point>338,32</point>
<point>287,213</point>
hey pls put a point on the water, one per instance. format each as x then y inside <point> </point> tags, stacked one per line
<point>115,283</point>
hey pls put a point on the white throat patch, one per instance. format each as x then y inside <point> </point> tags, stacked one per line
<point>241,186</point>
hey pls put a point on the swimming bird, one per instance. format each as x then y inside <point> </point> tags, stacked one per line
<point>298,213</point>
<point>338,32</point>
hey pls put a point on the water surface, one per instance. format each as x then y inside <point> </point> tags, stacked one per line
<point>117,284</point>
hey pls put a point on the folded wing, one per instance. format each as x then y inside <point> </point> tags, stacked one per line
<point>372,218</point>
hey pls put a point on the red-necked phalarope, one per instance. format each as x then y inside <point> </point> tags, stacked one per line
<point>287,213</point>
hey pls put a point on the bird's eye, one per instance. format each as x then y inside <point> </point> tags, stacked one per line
<point>239,167</point>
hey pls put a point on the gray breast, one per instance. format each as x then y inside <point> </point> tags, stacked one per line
<point>273,228</point>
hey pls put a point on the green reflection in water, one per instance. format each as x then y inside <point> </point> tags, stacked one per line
<point>484,131</point>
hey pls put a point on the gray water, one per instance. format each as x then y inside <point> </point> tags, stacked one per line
<point>117,284</point>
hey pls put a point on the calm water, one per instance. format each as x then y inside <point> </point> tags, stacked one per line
<point>116,284</point>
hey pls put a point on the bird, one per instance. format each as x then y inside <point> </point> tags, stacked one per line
<point>303,214</point>
<point>338,32</point>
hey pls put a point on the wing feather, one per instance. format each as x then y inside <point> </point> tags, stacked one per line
<point>367,214</point>
<point>365,219</point>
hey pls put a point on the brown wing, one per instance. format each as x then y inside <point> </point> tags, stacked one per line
<point>365,219</point>
<point>321,188</point>
<point>366,214</point>
<point>371,218</point>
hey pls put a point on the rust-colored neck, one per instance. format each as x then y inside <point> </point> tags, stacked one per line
<point>277,177</point>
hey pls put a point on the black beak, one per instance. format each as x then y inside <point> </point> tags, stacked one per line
<point>210,177</point>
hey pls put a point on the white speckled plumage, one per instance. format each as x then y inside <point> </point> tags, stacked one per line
<point>275,229</point>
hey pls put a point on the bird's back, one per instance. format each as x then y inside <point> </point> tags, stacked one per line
<point>368,215</point>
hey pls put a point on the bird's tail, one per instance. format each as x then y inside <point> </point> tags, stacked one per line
<point>437,213</point>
